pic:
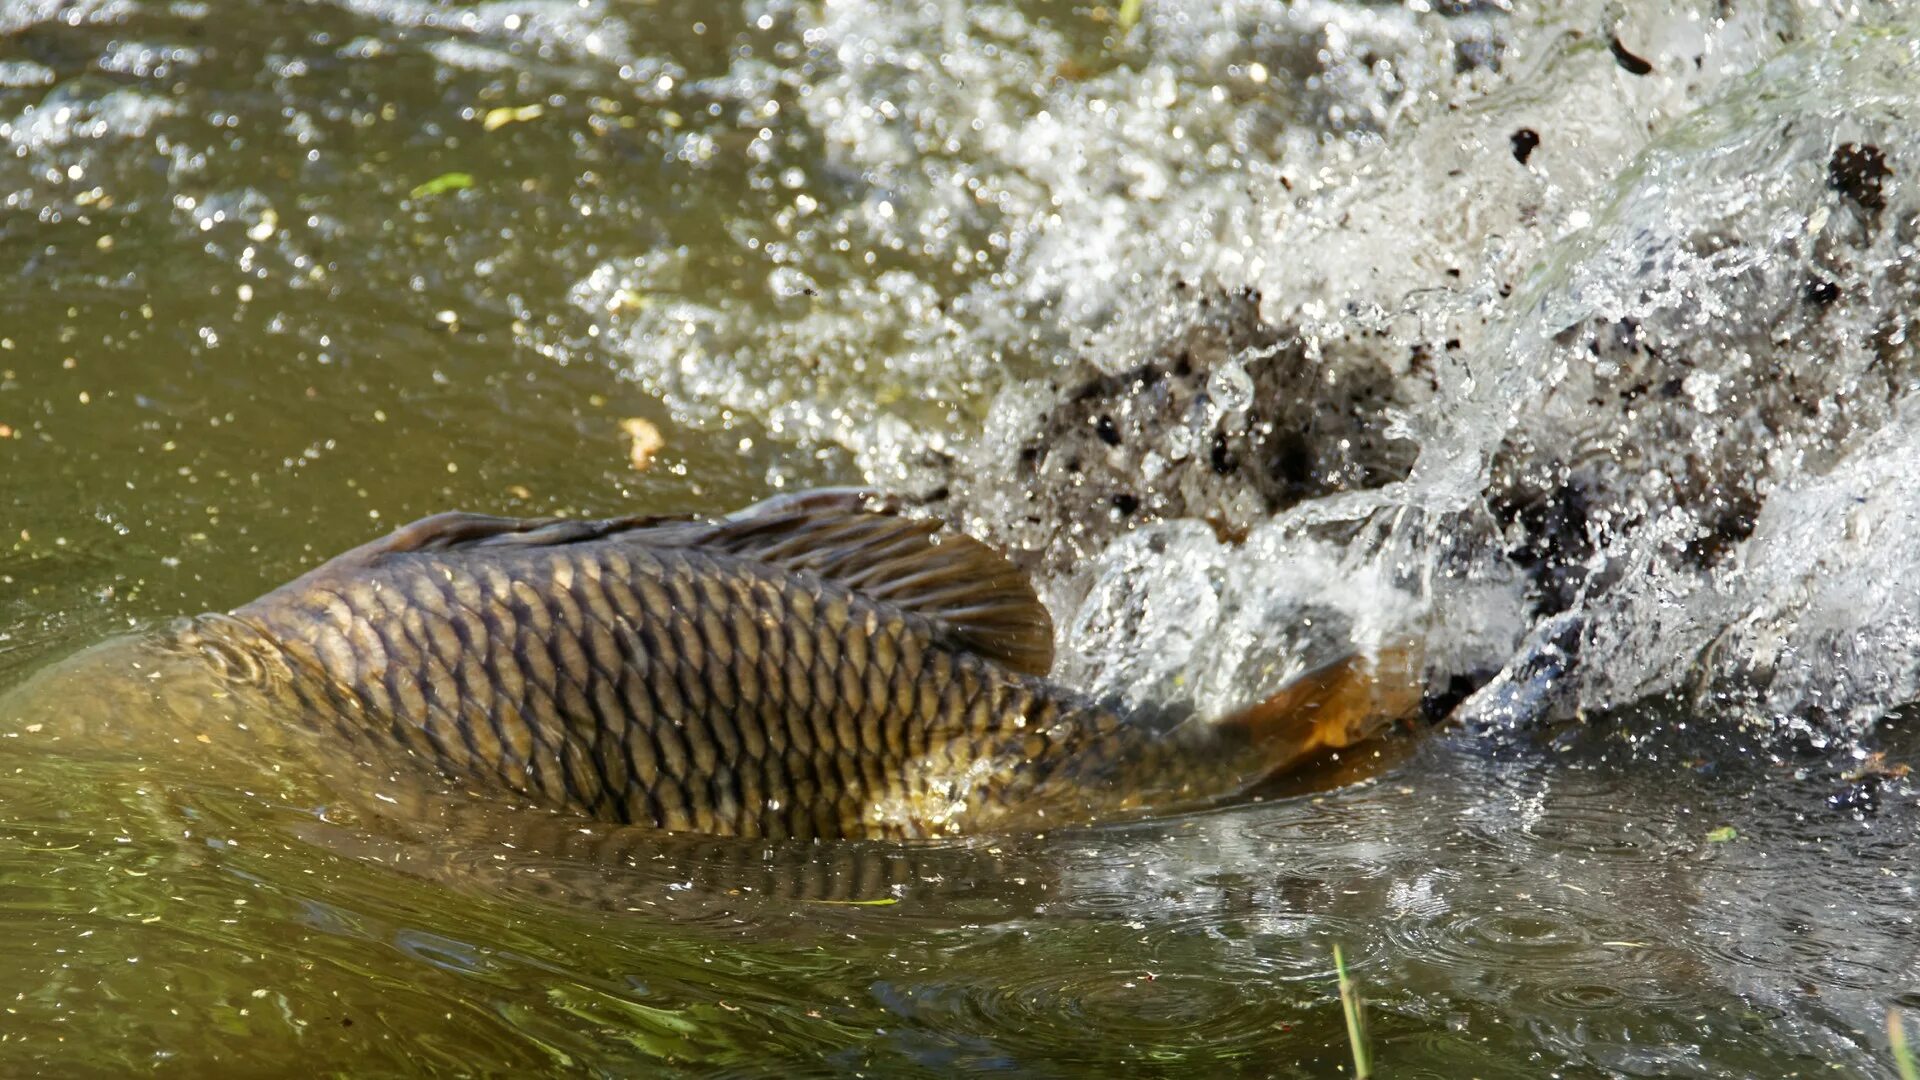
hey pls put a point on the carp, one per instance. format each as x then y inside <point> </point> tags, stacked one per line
<point>817,666</point>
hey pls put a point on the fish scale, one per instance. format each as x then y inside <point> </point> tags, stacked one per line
<point>815,667</point>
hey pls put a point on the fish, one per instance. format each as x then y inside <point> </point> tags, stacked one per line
<point>818,666</point>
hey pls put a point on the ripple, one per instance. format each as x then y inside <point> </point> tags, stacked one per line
<point>1537,939</point>
<point>1448,1055</point>
<point>1601,997</point>
<point>1303,823</point>
<point>1084,1012</point>
<point>1104,903</point>
<point>734,886</point>
<point>1275,945</point>
<point>1610,827</point>
<point>445,953</point>
<point>1526,937</point>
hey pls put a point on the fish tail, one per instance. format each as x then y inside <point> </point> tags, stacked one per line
<point>1332,707</point>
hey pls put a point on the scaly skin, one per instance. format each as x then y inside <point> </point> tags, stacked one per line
<point>808,669</point>
<point>704,693</point>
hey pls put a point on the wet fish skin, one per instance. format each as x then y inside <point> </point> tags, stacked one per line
<point>691,692</point>
<point>807,669</point>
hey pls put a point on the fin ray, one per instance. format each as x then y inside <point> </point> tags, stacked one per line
<point>855,538</point>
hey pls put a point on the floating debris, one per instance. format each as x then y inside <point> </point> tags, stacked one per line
<point>644,441</point>
<point>440,185</point>
<point>501,117</point>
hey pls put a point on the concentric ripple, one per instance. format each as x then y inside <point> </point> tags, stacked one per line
<point>1091,1012</point>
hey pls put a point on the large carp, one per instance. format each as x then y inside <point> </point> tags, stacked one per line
<point>815,666</point>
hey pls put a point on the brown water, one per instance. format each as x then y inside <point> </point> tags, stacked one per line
<point>236,342</point>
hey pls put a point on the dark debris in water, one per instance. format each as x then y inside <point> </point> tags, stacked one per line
<point>1231,419</point>
<point>1860,172</point>
<point>1629,62</point>
<point>1525,142</point>
<point>1862,793</point>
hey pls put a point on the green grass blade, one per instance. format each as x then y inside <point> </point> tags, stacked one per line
<point>1903,1058</point>
<point>1356,1020</point>
<point>440,185</point>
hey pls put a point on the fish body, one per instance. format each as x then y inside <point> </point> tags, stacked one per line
<point>813,667</point>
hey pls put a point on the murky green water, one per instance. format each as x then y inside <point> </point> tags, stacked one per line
<point>242,333</point>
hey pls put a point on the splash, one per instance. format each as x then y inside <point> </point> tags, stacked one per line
<point>959,192</point>
<point>1560,340</point>
<point>1583,332</point>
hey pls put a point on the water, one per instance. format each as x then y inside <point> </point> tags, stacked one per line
<point>1574,344</point>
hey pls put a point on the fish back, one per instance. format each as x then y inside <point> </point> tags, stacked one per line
<point>675,674</point>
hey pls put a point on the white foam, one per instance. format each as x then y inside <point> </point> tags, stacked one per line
<point>970,194</point>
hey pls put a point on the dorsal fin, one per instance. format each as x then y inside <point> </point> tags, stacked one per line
<point>855,538</point>
<point>852,537</point>
<point>458,530</point>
